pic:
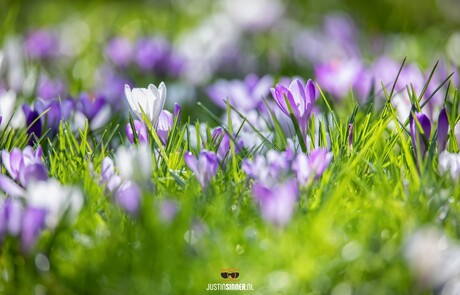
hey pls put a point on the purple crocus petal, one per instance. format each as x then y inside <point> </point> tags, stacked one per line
<point>33,222</point>
<point>90,105</point>
<point>417,137</point>
<point>312,94</point>
<point>41,44</point>
<point>280,95</point>
<point>13,214</point>
<point>302,168</point>
<point>32,173</point>
<point>12,162</point>
<point>1,120</point>
<point>150,52</point>
<point>177,111</point>
<point>10,187</point>
<point>141,132</point>
<point>191,162</point>
<point>220,137</point>
<point>120,51</point>
<point>319,160</point>
<point>165,122</point>
<point>276,203</point>
<point>443,129</point>
<point>298,93</point>
<point>107,169</point>
<point>129,197</point>
<point>34,125</point>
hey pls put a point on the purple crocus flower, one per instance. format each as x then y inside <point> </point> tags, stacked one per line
<point>33,222</point>
<point>151,52</point>
<point>48,89</point>
<point>220,137</point>
<point>204,167</point>
<point>420,141</point>
<point>128,197</point>
<point>313,165</point>
<point>276,202</point>
<point>164,125</point>
<point>90,105</point>
<point>300,98</point>
<point>25,166</point>
<point>41,44</point>
<point>141,132</point>
<point>443,129</point>
<point>120,51</point>
<point>243,95</point>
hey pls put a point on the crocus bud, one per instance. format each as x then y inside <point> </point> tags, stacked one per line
<point>417,137</point>
<point>443,129</point>
<point>141,132</point>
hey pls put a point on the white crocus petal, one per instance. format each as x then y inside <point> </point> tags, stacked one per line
<point>148,100</point>
<point>56,199</point>
<point>135,163</point>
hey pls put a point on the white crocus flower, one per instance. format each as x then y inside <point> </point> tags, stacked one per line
<point>56,199</point>
<point>449,163</point>
<point>150,100</point>
<point>135,163</point>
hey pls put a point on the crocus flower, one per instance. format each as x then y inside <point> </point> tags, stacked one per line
<point>33,222</point>
<point>276,202</point>
<point>204,167</point>
<point>120,51</point>
<point>151,52</point>
<point>56,199</point>
<point>443,129</point>
<point>128,196</point>
<point>148,100</point>
<point>48,88</point>
<point>141,132</point>
<point>222,139</point>
<point>243,95</point>
<point>34,125</point>
<point>41,44</point>
<point>269,169</point>
<point>300,98</point>
<point>311,166</point>
<point>24,166</point>
<point>135,163</point>
<point>420,140</point>
<point>449,163</point>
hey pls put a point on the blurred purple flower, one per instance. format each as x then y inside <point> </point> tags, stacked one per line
<point>48,88</point>
<point>25,166</point>
<point>243,95</point>
<point>204,167</point>
<point>41,44</point>
<point>443,129</point>
<point>141,132</point>
<point>168,210</point>
<point>420,138</point>
<point>300,98</point>
<point>269,169</point>
<point>120,51</point>
<point>151,52</point>
<point>164,125</point>
<point>313,165</point>
<point>128,197</point>
<point>339,77</point>
<point>276,202</point>
<point>33,222</point>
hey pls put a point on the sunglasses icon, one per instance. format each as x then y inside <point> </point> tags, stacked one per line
<point>229,274</point>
